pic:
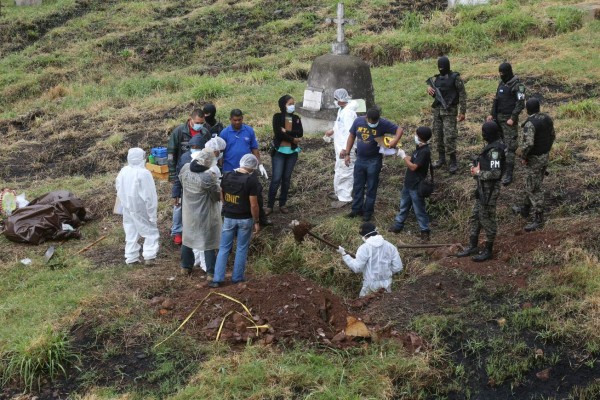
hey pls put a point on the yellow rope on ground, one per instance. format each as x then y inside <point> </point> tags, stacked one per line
<point>185,321</point>
<point>221,326</point>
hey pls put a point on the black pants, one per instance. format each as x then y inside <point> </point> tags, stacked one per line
<point>188,259</point>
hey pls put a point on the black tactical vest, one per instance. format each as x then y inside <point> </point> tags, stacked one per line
<point>493,157</point>
<point>506,100</point>
<point>447,85</point>
<point>543,139</point>
<point>235,195</point>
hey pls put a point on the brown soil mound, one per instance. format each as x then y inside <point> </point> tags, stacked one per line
<point>285,307</point>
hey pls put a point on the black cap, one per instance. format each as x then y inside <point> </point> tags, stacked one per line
<point>532,106</point>
<point>424,133</point>
<point>490,131</point>
<point>368,228</point>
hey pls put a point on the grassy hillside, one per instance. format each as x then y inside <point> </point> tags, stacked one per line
<point>82,81</point>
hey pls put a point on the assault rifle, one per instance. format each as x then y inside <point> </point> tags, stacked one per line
<point>438,93</point>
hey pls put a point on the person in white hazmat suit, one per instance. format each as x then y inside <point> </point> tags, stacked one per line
<point>201,212</point>
<point>343,179</point>
<point>137,193</point>
<point>377,259</point>
<point>215,145</point>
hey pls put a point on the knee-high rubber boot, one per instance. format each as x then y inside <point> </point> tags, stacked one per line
<point>441,161</point>
<point>486,254</point>
<point>536,223</point>
<point>453,167</point>
<point>508,174</point>
<point>472,249</point>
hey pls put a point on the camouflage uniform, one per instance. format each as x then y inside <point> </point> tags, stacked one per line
<point>444,120</point>
<point>508,104</point>
<point>536,141</point>
<point>491,162</point>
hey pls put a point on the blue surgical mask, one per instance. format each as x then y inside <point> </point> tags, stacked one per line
<point>290,109</point>
<point>194,151</point>
<point>197,127</point>
<point>373,125</point>
<point>417,140</point>
<point>220,156</point>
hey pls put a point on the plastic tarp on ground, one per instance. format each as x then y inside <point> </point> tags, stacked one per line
<point>44,217</point>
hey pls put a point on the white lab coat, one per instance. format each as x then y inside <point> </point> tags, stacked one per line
<point>137,193</point>
<point>201,209</point>
<point>343,178</point>
<point>378,260</point>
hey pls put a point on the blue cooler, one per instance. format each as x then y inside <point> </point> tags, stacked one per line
<point>159,152</point>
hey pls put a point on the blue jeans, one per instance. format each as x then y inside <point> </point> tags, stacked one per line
<point>177,221</point>
<point>242,228</point>
<point>283,165</point>
<point>366,173</point>
<point>187,259</point>
<point>411,199</point>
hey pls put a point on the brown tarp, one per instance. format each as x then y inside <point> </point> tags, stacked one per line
<point>42,219</point>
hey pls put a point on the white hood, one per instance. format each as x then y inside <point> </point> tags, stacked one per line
<point>375,241</point>
<point>136,157</point>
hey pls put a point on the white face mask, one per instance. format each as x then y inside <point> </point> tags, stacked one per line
<point>194,151</point>
<point>291,109</point>
<point>417,140</point>
<point>336,103</point>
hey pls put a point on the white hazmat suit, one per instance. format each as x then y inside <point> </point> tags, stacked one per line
<point>137,193</point>
<point>343,178</point>
<point>378,260</point>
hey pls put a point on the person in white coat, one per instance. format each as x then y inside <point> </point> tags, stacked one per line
<point>343,179</point>
<point>137,193</point>
<point>201,212</point>
<point>377,259</point>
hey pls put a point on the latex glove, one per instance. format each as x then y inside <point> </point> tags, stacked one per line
<point>263,171</point>
<point>401,153</point>
<point>341,250</point>
<point>327,139</point>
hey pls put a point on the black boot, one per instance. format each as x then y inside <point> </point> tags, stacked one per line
<point>486,254</point>
<point>453,166</point>
<point>508,174</point>
<point>523,211</point>
<point>424,236</point>
<point>441,161</point>
<point>472,249</point>
<point>536,223</point>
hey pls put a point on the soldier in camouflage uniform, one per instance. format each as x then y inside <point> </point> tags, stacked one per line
<point>450,96</point>
<point>534,148</point>
<point>487,172</point>
<point>508,104</point>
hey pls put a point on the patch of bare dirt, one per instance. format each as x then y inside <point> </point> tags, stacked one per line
<point>284,308</point>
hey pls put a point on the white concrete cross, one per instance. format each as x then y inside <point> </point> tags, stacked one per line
<point>340,47</point>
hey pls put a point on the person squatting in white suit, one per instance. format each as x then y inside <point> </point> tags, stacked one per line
<point>377,259</point>
<point>343,179</point>
<point>137,193</point>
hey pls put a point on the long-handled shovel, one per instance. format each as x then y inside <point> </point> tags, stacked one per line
<point>302,228</point>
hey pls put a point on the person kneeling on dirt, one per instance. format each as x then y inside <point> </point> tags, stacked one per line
<point>377,259</point>
<point>201,212</point>
<point>137,193</point>
<point>488,173</point>
<point>239,193</point>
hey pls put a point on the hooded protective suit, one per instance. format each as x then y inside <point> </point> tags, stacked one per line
<point>137,193</point>
<point>378,260</point>
<point>343,179</point>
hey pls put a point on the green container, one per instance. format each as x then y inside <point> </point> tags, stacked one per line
<point>151,159</point>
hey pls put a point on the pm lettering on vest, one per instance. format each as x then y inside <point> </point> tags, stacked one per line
<point>231,198</point>
<point>495,162</point>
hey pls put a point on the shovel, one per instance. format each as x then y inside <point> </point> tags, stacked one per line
<point>302,228</point>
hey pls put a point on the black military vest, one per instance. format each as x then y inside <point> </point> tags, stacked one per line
<point>492,157</point>
<point>506,100</point>
<point>543,140</point>
<point>235,188</point>
<point>447,85</point>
